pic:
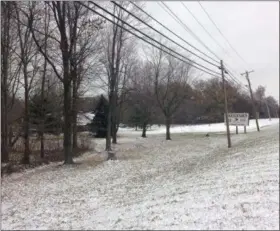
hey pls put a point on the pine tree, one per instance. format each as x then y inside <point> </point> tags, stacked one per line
<point>45,111</point>
<point>99,122</point>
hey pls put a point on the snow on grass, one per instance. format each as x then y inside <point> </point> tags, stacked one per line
<point>218,127</point>
<point>191,182</point>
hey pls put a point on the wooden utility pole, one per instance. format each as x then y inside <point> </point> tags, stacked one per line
<point>268,110</point>
<point>226,105</point>
<point>252,97</point>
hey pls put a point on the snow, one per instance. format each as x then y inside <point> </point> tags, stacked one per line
<point>191,182</point>
<point>217,127</point>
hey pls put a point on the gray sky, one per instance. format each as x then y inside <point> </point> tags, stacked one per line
<point>252,28</point>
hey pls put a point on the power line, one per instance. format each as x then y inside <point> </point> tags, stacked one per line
<point>183,24</point>
<point>173,32</point>
<point>191,61</point>
<point>202,26</point>
<point>149,36</point>
<point>207,33</point>
<point>159,32</point>
<point>236,80</point>
<point>170,12</point>
<point>230,75</point>
<point>143,39</point>
<point>214,74</point>
<point>221,33</point>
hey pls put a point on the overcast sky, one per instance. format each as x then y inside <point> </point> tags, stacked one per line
<point>252,28</point>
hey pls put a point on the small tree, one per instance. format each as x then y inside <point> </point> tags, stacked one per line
<point>170,84</point>
<point>134,118</point>
<point>45,111</point>
<point>141,98</point>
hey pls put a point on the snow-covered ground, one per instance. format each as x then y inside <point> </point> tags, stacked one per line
<point>191,182</point>
<point>217,127</point>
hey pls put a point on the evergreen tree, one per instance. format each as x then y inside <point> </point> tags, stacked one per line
<point>99,122</point>
<point>47,112</point>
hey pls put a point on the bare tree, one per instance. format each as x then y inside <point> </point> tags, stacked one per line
<point>70,25</point>
<point>273,106</point>
<point>170,84</point>
<point>113,47</point>
<point>85,53</point>
<point>142,98</point>
<point>66,29</point>
<point>6,11</point>
<point>10,73</point>
<point>30,66</point>
<point>44,73</point>
<point>117,45</point>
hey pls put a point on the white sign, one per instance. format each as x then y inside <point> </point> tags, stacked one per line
<point>237,119</point>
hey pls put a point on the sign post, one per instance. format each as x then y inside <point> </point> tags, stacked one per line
<point>238,119</point>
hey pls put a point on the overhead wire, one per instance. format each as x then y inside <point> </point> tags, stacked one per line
<point>156,29</point>
<point>195,18</point>
<point>214,74</point>
<point>229,68</point>
<point>208,15</point>
<point>176,18</point>
<point>161,33</point>
<point>206,31</point>
<point>143,39</point>
<point>162,26</point>
<point>165,27</point>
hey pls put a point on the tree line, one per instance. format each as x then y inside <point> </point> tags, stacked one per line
<point>54,52</point>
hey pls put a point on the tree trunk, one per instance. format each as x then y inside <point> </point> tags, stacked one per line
<point>75,134</point>
<point>144,130</point>
<point>111,154</point>
<point>75,79</point>
<point>167,123</point>
<point>74,109</point>
<point>10,135</point>
<point>67,144</point>
<point>4,127</point>
<point>4,144</point>
<point>109,125</point>
<point>114,119</point>
<point>5,50</point>
<point>114,133</point>
<point>42,148</point>
<point>42,125</point>
<point>25,159</point>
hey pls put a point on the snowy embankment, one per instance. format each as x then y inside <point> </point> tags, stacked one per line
<point>218,127</point>
<point>191,182</point>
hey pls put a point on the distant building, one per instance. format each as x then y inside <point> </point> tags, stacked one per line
<point>83,120</point>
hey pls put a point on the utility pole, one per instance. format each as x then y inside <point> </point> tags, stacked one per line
<point>268,110</point>
<point>252,97</point>
<point>226,105</point>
